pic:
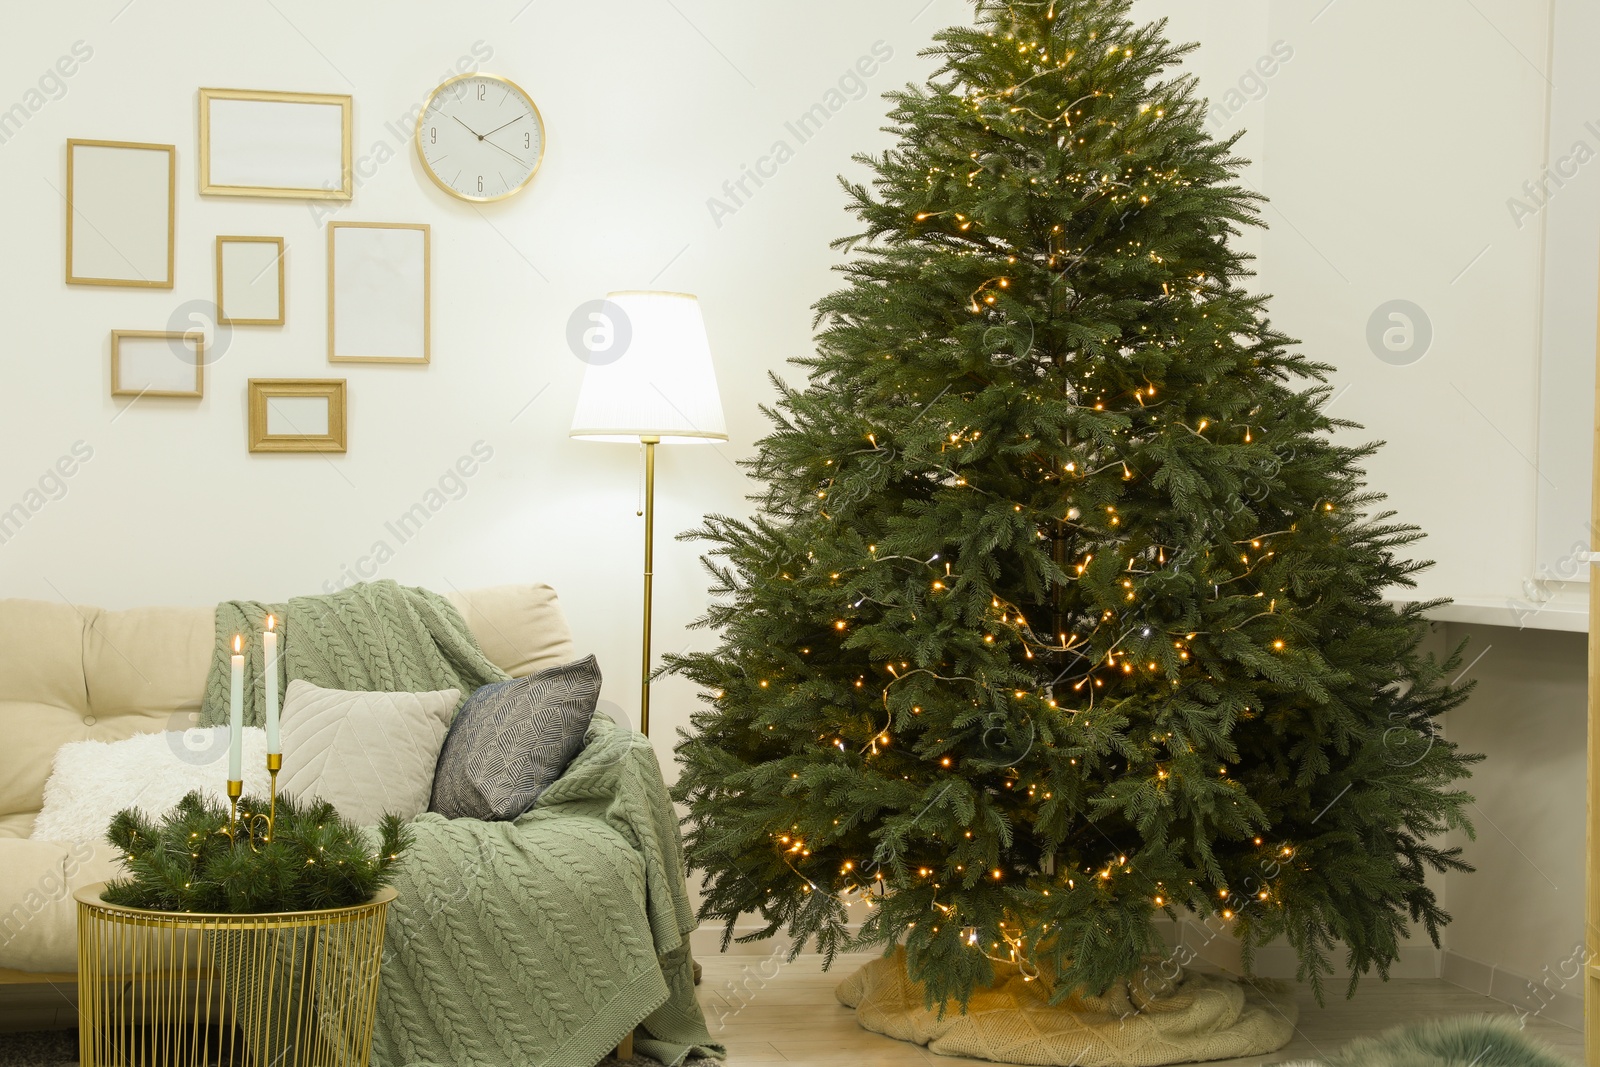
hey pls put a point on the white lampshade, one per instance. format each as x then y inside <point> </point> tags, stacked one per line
<point>663,385</point>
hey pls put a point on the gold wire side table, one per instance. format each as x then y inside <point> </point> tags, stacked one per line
<point>186,989</point>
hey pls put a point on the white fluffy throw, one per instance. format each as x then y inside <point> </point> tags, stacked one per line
<point>93,780</point>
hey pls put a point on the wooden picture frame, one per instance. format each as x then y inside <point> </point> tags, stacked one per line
<point>293,433</point>
<point>379,292</point>
<point>147,377</point>
<point>122,205</point>
<point>273,144</point>
<point>250,281</point>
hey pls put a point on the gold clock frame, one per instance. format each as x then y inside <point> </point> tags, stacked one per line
<point>416,138</point>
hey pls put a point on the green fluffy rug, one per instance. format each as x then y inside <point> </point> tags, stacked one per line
<point>1482,1041</point>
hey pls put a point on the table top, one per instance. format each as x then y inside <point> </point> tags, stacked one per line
<point>90,895</point>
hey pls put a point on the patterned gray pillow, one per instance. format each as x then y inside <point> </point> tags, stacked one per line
<point>512,740</point>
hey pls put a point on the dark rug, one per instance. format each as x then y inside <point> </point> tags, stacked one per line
<point>43,1048</point>
<point>59,1048</point>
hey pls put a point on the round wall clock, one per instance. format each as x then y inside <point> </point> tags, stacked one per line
<point>480,138</point>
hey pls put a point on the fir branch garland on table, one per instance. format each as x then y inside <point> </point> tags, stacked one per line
<point>1062,610</point>
<point>186,863</point>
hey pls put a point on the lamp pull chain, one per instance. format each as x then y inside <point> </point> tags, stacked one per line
<point>640,509</point>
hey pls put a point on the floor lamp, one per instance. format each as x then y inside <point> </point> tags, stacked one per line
<point>653,384</point>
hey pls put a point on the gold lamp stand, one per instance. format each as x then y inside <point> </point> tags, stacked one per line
<point>649,574</point>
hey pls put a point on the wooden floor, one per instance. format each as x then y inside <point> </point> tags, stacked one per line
<point>793,1017</point>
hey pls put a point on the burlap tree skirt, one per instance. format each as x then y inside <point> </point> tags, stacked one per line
<point>1196,1017</point>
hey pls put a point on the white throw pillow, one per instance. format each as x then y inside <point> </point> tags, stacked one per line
<point>367,754</point>
<point>93,780</point>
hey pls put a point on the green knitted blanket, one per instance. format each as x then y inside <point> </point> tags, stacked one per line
<point>376,637</point>
<point>538,943</point>
<point>543,942</point>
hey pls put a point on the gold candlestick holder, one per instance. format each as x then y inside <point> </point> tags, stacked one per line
<point>256,827</point>
<point>235,790</point>
<point>274,765</point>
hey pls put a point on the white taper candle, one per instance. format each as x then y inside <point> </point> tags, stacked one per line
<point>269,644</point>
<point>236,714</point>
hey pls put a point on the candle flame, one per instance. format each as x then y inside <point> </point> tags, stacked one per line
<point>238,644</point>
<point>272,623</point>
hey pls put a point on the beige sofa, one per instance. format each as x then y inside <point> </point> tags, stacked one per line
<point>75,673</point>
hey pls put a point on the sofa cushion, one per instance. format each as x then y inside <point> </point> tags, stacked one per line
<point>512,740</point>
<point>146,668</point>
<point>44,699</point>
<point>38,919</point>
<point>18,825</point>
<point>367,754</point>
<point>75,674</point>
<point>519,627</point>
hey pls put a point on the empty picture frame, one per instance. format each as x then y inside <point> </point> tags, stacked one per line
<point>293,145</point>
<point>121,207</point>
<point>297,415</point>
<point>158,363</point>
<point>378,292</point>
<point>250,281</point>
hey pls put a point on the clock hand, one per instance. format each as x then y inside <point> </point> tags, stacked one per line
<point>507,151</point>
<point>502,126</point>
<point>469,129</point>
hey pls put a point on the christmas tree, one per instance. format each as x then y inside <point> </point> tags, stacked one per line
<point>1062,611</point>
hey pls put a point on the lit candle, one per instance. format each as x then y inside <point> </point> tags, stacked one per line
<point>269,644</point>
<point>236,714</point>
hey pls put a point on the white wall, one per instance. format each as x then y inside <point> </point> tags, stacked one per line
<point>1398,135</point>
<point>649,112</point>
<point>1389,140</point>
<point>1565,201</point>
<point>1519,919</point>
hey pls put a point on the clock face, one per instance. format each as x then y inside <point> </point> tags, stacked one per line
<point>480,138</point>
